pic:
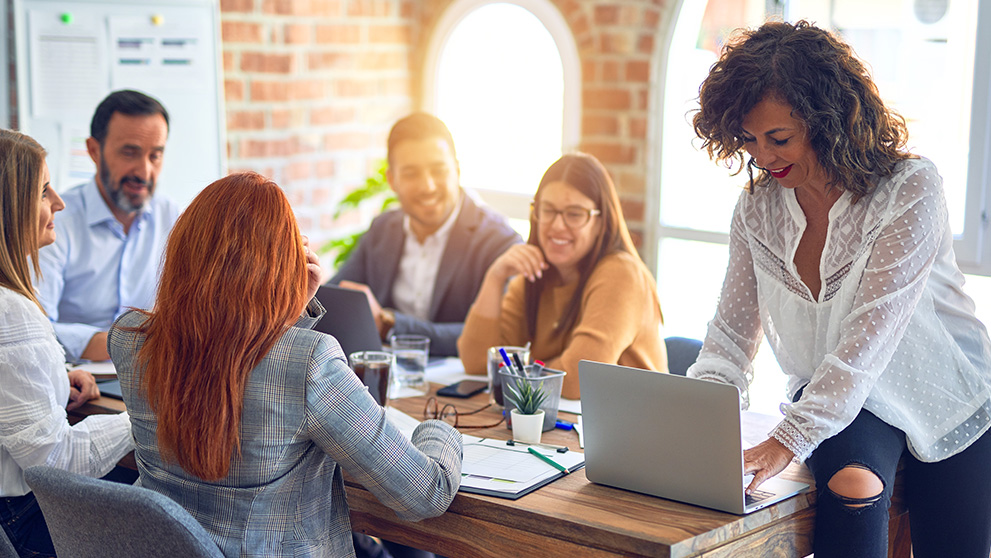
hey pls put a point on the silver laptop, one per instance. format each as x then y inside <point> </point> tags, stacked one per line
<point>669,436</point>
<point>349,319</point>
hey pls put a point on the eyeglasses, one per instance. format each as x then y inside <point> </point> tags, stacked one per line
<point>449,414</point>
<point>575,217</point>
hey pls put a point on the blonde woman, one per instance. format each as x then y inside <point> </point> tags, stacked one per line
<point>36,390</point>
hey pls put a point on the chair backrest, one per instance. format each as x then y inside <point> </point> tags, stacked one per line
<point>7,549</point>
<point>97,518</point>
<point>682,353</point>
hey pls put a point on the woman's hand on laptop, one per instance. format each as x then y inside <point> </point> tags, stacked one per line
<point>765,460</point>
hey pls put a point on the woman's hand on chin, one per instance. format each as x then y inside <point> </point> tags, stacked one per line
<point>520,259</point>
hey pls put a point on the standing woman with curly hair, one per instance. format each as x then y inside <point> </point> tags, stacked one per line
<point>841,253</point>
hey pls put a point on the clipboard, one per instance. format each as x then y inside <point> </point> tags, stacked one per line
<point>493,468</point>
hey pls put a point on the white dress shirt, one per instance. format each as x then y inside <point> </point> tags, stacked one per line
<point>34,389</point>
<point>413,289</point>
<point>891,330</point>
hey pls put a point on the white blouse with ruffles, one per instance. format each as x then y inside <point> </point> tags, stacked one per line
<point>891,332</point>
<point>34,389</point>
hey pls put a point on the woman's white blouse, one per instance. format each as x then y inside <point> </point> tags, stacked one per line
<point>34,389</point>
<point>891,332</point>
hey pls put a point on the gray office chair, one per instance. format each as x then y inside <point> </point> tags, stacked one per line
<point>7,549</point>
<point>682,353</point>
<point>93,518</point>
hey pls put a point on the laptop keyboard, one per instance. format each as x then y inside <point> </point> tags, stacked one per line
<point>757,496</point>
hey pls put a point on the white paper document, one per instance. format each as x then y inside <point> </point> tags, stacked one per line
<point>492,467</point>
<point>97,368</point>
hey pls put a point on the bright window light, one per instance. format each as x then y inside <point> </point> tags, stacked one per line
<point>500,89</point>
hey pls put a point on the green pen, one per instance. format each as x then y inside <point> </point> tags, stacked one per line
<point>549,461</point>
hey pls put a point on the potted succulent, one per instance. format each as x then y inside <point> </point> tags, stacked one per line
<point>527,417</point>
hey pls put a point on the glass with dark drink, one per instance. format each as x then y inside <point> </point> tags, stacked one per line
<point>374,369</point>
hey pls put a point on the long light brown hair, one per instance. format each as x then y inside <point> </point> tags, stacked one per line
<point>21,159</point>
<point>233,279</point>
<point>586,174</point>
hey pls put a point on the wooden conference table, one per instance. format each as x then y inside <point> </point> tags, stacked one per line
<point>575,518</point>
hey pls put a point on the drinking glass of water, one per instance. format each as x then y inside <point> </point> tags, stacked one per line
<point>411,360</point>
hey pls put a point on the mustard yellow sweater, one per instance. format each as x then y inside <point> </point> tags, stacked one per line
<point>619,322</point>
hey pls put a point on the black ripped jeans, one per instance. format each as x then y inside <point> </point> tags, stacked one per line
<point>949,501</point>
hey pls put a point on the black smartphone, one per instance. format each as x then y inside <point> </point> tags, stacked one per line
<point>464,388</point>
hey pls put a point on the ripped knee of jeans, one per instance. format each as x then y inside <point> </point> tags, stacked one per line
<point>856,487</point>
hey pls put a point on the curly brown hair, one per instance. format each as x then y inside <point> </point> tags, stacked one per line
<point>855,137</point>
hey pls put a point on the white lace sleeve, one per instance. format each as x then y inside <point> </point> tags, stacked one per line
<point>735,332</point>
<point>893,280</point>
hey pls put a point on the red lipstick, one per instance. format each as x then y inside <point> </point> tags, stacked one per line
<point>779,174</point>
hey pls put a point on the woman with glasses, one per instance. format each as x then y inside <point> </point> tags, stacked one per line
<point>578,289</point>
<point>240,411</point>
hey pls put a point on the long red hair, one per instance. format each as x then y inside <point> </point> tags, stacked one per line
<point>233,279</point>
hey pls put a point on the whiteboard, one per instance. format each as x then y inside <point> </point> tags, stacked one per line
<point>70,54</point>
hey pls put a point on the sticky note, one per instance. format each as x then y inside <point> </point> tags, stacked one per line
<point>157,19</point>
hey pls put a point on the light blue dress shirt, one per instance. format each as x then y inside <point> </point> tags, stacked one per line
<point>95,271</point>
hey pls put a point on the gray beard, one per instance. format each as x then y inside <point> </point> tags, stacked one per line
<point>117,196</point>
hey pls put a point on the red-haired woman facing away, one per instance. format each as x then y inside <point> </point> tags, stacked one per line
<point>35,390</point>
<point>244,415</point>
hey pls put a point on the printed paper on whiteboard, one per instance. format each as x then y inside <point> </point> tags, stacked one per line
<point>154,57</point>
<point>68,65</point>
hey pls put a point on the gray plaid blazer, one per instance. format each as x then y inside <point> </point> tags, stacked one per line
<point>305,417</point>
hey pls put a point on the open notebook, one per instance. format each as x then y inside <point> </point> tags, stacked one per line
<point>494,468</point>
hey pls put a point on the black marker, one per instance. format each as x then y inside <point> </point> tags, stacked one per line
<point>519,363</point>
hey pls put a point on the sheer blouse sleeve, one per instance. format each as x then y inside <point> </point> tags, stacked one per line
<point>906,244</point>
<point>735,332</point>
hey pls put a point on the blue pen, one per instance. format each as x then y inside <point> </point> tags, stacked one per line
<point>505,358</point>
<point>564,425</point>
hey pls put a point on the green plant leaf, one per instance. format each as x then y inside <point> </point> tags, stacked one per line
<point>375,187</point>
<point>525,395</point>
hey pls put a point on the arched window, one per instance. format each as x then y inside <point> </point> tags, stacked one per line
<point>505,77</point>
<point>929,63</point>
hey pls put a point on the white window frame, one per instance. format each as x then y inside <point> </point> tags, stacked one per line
<point>972,247</point>
<point>4,64</point>
<point>514,205</point>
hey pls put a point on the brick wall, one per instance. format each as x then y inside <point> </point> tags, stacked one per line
<point>312,87</point>
<point>616,41</point>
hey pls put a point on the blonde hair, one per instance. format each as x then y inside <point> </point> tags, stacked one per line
<point>21,159</point>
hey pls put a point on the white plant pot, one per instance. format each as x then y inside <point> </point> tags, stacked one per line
<point>528,428</point>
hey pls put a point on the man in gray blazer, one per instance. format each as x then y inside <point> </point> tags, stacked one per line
<point>422,265</point>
